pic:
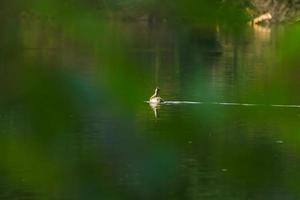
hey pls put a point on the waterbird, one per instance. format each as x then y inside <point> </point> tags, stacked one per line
<point>155,98</point>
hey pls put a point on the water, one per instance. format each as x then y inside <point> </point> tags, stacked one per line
<point>75,124</point>
<point>222,103</point>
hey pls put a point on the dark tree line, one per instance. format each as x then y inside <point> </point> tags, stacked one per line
<point>231,11</point>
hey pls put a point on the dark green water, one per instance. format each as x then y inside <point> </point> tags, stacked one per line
<point>75,125</point>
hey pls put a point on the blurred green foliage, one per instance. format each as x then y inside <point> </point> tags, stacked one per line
<point>73,78</point>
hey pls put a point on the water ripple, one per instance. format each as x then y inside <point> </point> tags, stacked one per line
<point>228,104</point>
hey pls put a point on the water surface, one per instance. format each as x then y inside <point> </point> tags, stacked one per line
<point>75,124</point>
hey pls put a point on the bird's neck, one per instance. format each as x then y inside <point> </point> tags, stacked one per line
<point>155,94</point>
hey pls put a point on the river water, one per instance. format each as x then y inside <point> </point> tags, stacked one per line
<point>75,122</point>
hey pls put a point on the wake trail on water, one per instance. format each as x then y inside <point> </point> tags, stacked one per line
<point>227,104</point>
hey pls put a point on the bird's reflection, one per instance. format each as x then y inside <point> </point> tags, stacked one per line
<point>155,107</point>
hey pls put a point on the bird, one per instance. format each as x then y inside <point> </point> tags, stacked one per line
<point>155,98</point>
